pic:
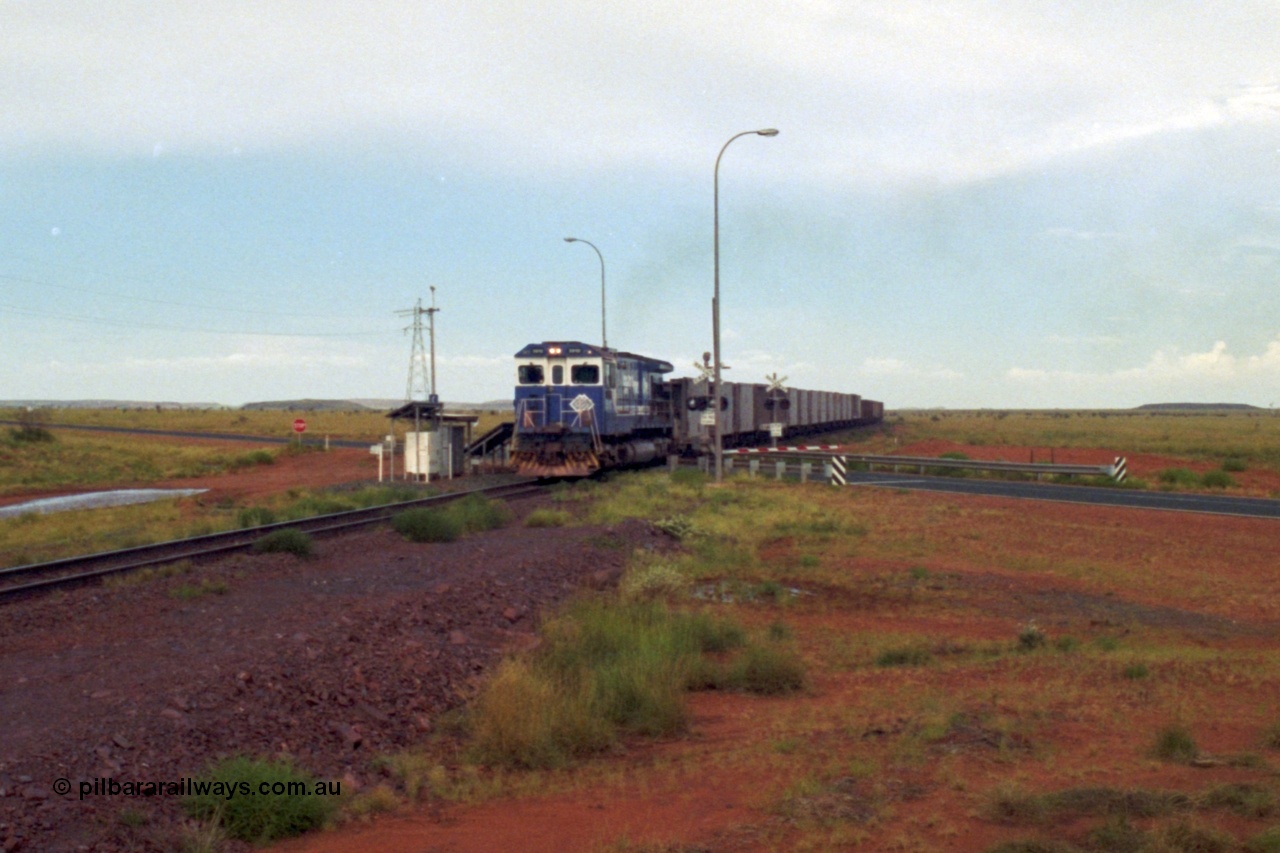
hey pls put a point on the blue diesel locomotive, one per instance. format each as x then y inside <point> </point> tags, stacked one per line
<point>580,408</point>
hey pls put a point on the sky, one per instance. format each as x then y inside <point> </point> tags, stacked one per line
<point>969,203</point>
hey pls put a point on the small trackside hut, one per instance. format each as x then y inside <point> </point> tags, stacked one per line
<point>580,408</point>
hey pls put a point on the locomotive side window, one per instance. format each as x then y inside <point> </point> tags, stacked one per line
<point>585,374</point>
<point>531,374</point>
<point>557,374</point>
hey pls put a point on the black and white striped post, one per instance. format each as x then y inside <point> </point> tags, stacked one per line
<point>838,469</point>
<point>1118,469</point>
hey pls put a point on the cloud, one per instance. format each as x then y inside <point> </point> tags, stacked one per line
<point>1216,370</point>
<point>895,367</point>
<point>1083,340</point>
<point>881,91</point>
<point>252,355</point>
<point>1079,234</point>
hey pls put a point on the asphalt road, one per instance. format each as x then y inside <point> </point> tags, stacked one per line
<point>1131,498</point>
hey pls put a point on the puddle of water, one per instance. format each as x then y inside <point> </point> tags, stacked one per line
<point>93,500</point>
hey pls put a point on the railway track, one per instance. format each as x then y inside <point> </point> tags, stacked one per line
<point>20,581</point>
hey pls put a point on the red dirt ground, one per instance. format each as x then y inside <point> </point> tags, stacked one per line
<point>677,795</point>
<point>309,470</point>
<point>683,795</point>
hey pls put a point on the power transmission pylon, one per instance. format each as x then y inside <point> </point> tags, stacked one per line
<point>417,355</point>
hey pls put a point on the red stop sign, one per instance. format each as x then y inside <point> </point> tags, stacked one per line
<point>299,425</point>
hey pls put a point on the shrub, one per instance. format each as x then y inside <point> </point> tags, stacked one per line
<point>471,514</point>
<point>1267,842</point>
<point>1217,480</point>
<point>233,799</point>
<point>288,540</point>
<point>679,527</point>
<point>939,471</point>
<point>603,668</point>
<point>476,513</point>
<point>524,719</point>
<point>424,524</point>
<point>1177,477</point>
<point>1174,743</point>
<point>768,669</point>
<point>656,580</point>
<point>1030,638</point>
<point>1190,838</point>
<point>1136,671</point>
<point>1117,835</point>
<point>905,656</point>
<point>1233,465</point>
<point>30,429</point>
<point>30,435</point>
<point>252,458</point>
<point>1066,644</point>
<point>1271,736</point>
<point>714,635</point>
<point>255,516</point>
<point>1248,801</point>
<point>546,518</point>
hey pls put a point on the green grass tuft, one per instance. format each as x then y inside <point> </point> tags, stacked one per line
<point>546,518</point>
<point>288,540</point>
<point>1266,842</point>
<point>605,668</point>
<point>904,656</point>
<point>1177,477</point>
<point>768,669</point>
<point>471,514</point>
<point>1174,743</point>
<point>246,813</point>
<point>1217,480</point>
<point>1135,671</point>
<point>255,516</point>
<point>427,524</point>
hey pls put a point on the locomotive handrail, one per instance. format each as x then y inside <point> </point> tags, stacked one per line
<point>531,412</point>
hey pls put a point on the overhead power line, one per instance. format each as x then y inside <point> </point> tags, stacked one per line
<point>131,324</point>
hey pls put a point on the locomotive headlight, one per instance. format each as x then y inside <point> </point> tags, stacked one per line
<point>553,350</point>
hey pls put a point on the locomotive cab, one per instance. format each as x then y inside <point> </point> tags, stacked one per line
<point>581,407</point>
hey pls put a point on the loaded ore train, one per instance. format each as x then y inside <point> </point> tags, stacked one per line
<point>580,408</point>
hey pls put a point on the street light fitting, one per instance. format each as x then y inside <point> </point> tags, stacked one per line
<point>717,387</point>
<point>604,335</point>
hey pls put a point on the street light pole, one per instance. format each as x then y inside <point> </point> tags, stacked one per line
<point>715,306</point>
<point>604,338</point>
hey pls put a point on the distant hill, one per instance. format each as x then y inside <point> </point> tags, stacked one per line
<point>377,405</point>
<point>1199,407</point>
<point>307,405</point>
<point>105,404</point>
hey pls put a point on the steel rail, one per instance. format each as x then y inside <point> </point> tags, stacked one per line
<point>73,571</point>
